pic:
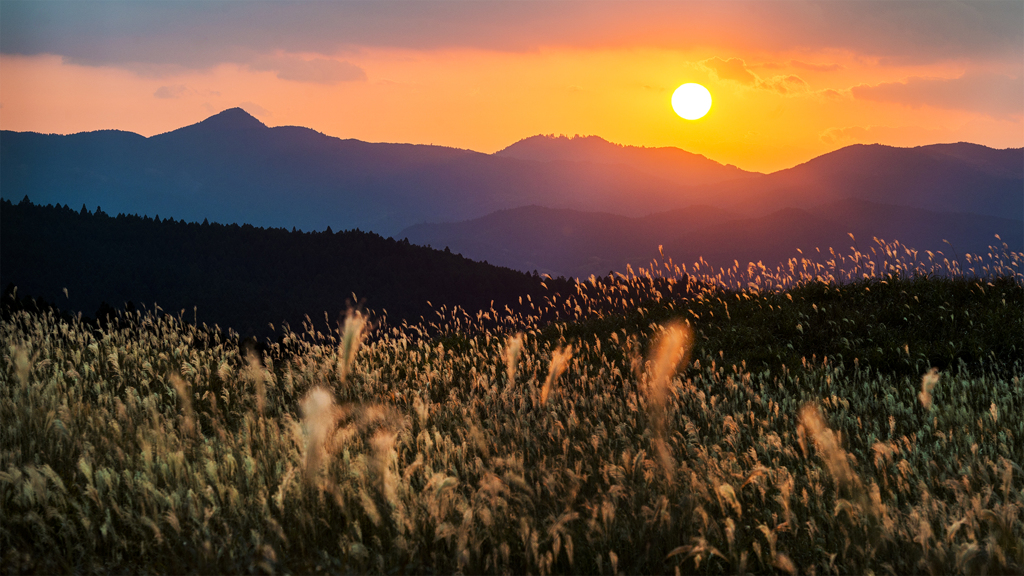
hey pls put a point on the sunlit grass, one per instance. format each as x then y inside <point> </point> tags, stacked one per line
<point>664,420</point>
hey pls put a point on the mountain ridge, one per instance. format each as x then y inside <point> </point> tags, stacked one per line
<point>231,167</point>
<point>575,243</point>
<point>232,119</point>
<point>685,168</point>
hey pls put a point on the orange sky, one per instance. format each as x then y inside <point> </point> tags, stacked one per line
<point>780,97</point>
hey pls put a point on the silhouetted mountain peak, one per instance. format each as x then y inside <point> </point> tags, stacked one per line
<point>230,120</point>
<point>1006,162</point>
<point>905,161</point>
<point>233,119</point>
<point>674,164</point>
<point>547,147</point>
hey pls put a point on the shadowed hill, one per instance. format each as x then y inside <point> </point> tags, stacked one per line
<point>960,177</point>
<point>572,243</point>
<point>238,276</point>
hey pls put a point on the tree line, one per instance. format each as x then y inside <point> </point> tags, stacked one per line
<point>240,276</point>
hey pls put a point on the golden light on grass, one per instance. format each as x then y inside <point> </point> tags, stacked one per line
<point>559,362</point>
<point>352,335</point>
<point>928,383</point>
<point>433,465</point>
<point>513,346</point>
<point>185,397</point>
<point>827,443</point>
<point>671,353</point>
<point>319,418</point>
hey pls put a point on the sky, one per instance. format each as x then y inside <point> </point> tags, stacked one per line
<point>790,80</point>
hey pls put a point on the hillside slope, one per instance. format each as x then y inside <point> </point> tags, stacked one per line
<point>573,243</point>
<point>241,277</point>
<point>961,177</point>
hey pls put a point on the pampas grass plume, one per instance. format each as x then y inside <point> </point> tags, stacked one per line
<point>352,336</point>
<point>559,362</point>
<point>928,382</point>
<point>319,416</point>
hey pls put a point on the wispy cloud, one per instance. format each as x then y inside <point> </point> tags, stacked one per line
<point>731,69</point>
<point>736,69</point>
<point>255,109</point>
<point>815,67</point>
<point>169,92</point>
<point>784,84</point>
<point>995,95</point>
<point>892,135</point>
<point>313,70</point>
<point>175,91</point>
<point>195,34</point>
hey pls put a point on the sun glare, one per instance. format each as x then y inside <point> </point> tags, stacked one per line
<point>691,101</point>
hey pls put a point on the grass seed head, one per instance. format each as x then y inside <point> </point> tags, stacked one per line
<point>928,383</point>
<point>559,362</point>
<point>671,352</point>
<point>828,445</point>
<point>182,388</point>
<point>22,365</point>
<point>513,346</point>
<point>352,336</point>
<point>319,417</point>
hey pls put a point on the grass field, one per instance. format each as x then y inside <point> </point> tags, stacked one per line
<point>838,414</point>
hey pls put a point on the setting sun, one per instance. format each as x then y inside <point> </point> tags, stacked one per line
<point>691,101</point>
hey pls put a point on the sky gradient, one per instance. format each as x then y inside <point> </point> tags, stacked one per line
<point>790,80</point>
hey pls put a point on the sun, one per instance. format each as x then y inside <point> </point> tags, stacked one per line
<point>691,101</point>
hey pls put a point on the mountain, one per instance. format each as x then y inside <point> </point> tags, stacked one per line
<point>563,242</point>
<point>573,243</point>
<point>959,177</point>
<point>673,164</point>
<point>232,168</point>
<point>240,277</point>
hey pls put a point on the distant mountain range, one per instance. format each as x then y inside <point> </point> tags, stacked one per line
<point>565,206</point>
<point>960,177</point>
<point>574,243</point>
<point>232,168</point>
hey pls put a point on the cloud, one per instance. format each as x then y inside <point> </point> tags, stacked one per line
<point>255,109</point>
<point>736,69</point>
<point>181,90</point>
<point>731,69</point>
<point>197,34</point>
<point>171,91</point>
<point>783,84</point>
<point>316,70</point>
<point>815,67</point>
<point>995,95</point>
<point>890,135</point>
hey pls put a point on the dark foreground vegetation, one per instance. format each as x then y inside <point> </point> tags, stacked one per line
<point>234,276</point>
<point>766,421</point>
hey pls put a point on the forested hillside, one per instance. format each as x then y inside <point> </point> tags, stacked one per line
<point>241,277</point>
